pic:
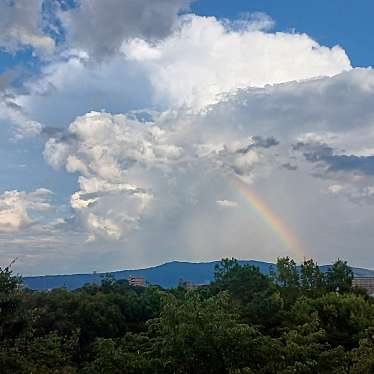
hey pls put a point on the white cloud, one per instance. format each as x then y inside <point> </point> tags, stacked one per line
<point>105,225</point>
<point>56,153</point>
<point>256,21</point>
<point>335,188</point>
<point>204,58</point>
<point>71,86</point>
<point>15,207</point>
<point>227,203</point>
<point>25,128</point>
<point>13,113</point>
<point>103,148</point>
<point>200,61</point>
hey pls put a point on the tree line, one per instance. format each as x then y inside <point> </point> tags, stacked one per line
<point>297,319</point>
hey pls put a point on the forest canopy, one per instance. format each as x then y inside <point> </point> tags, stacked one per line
<point>297,319</point>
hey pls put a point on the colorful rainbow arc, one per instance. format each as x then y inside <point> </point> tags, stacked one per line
<point>274,222</point>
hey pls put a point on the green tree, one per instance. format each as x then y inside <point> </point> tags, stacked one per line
<point>344,318</point>
<point>288,278</point>
<point>254,293</point>
<point>339,277</point>
<point>312,279</point>
<point>42,355</point>
<point>363,356</point>
<point>287,274</point>
<point>224,267</point>
<point>205,336</point>
<point>307,351</point>
<point>13,318</point>
<point>132,354</point>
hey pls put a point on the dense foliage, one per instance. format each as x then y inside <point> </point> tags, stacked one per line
<point>296,320</point>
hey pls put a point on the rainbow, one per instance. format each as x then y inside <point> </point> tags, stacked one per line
<point>289,240</point>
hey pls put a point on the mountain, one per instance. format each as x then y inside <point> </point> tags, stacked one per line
<point>166,275</point>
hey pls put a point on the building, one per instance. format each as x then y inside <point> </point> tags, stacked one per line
<point>364,282</point>
<point>188,285</point>
<point>135,281</point>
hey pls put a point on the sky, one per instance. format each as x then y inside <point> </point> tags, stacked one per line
<point>135,133</point>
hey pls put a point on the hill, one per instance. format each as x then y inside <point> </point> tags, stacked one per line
<point>166,275</point>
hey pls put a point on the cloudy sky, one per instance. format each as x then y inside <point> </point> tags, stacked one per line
<point>134,132</point>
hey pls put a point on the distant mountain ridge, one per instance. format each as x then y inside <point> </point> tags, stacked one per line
<point>166,275</point>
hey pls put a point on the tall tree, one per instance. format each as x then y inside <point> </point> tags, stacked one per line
<point>12,316</point>
<point>288,278</point>
<point>312,279</point>
<point>339,277</point>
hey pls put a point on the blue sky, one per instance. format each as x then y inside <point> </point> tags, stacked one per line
<point>121,142</point>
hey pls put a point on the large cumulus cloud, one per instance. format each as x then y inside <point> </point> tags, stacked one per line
<point>193,66</point>
<point>300,146</point>
<point>205,57</point>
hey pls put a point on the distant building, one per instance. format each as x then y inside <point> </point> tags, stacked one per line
<point>364,282</point>
<point>188,285</point>
<point>136,281</point>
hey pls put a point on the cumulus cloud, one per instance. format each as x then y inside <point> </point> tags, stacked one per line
<point>103,149</point>
<point>201,60</point>
<point>314,130</point>
<point>21,26</point>
<point>206,57</point>
<point>125,164</point>
<point>99,28</point>
<point>56,152</point>
<point>35,228</point>
<point>13,113</point>
<point>15,208</point>
<point>286,142</point>
<point>71,87</point>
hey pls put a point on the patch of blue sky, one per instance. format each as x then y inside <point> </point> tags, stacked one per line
<point>22,64</point>
<point>23,168</point>
<point>52,24</point>
<point>23,57</point>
